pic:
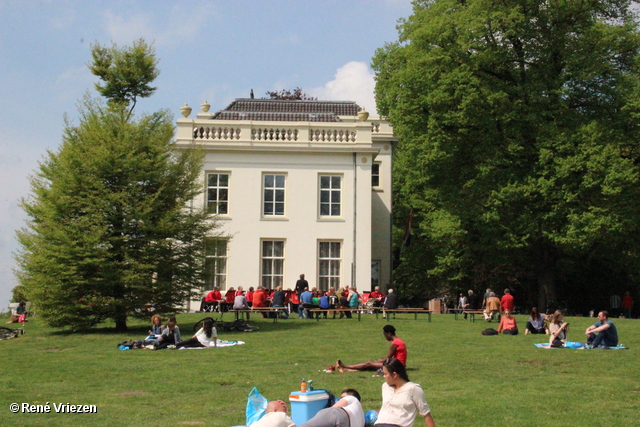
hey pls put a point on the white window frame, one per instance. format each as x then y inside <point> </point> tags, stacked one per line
<point>272,263</point>
<point>217,254</point>
<point>274,190</point>
<point>331,192</point>
<point>215,206</point>
<point>329,264</point>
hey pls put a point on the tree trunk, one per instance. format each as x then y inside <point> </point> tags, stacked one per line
<point>121,323</point>
<point>546,282</point>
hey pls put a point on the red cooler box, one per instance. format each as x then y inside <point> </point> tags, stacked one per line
<point>305,406</point>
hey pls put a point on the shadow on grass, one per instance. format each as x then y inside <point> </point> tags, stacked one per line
<point>188,322</point>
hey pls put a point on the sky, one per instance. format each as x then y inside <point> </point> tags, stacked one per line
<point>209,50</point>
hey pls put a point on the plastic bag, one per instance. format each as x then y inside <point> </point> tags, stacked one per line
<point>256,406</point>
<point>571,344</point>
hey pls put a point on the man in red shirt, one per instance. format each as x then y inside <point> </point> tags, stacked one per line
<point>397,350</point>
<point>377,297</point>
<point>506,302</point>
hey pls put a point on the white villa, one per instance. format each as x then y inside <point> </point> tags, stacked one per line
<point>298,187</point>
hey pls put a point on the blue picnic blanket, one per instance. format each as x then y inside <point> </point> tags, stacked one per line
<point>578,345</point>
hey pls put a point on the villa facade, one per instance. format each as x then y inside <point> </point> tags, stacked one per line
<point>298,187</point>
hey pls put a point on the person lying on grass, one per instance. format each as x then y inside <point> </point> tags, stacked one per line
<point>345,412</point>
<point>203,338</point>
<point>397,350</point>
<point>276,416</point>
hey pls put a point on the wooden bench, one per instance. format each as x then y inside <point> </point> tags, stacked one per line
<point>275,310</point>
<point>335,311</point>
<point>414,311</point>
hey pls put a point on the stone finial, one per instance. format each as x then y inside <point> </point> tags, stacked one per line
<point>185,110</point>
<point>205,106</point>
<point>363,115</point>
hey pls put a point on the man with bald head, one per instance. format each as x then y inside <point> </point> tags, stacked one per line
<point>276,416</point>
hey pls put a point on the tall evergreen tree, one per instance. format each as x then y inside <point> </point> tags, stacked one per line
<point>518,123</point>
<point>110,227</point>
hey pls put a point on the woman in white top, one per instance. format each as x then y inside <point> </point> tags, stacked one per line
<point>402,400</point>
<point>558,330</point>
<point>203,338</point>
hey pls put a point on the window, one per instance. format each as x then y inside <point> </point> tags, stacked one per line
<point>330,195</point>
<point>375,274</point>
<point>273,193</point>
<point>375,174</point>
<point>329,263</point>
<point>218,193</point>
<point>215,266</point>
<point>272,263</point>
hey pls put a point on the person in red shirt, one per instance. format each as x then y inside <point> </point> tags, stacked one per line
<point>508,324</point>
<point>506,302</point>
<point>229,298</point>
<point>260,297</point>
<point>249,296</point>
<point>397,350</point>
<point>377,297</point>
<point>627,305</point>
<point>210,302</point>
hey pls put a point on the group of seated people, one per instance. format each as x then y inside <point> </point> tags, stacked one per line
<point>237,299</point>
<point>168,336</point>
<point>602,334</point>
<point>347,298</point>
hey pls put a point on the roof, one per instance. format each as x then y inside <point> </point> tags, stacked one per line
<point>287,110</point>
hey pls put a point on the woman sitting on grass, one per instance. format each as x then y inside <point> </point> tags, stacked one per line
<point>508,324</point>
<point>170,335</point>
<point>402,400</point>
<point>156,330</point>
<point>558,330</point>
<point>20,311</point>
<point>536,324</point>
<point>203,338</point>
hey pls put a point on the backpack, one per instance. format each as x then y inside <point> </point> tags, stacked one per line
<point>489,331</point>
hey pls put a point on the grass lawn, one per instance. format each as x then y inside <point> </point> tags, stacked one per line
<point>469,379</point>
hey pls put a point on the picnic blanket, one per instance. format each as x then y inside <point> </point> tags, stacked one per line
<point>221,343</point>
<point>579,346</point>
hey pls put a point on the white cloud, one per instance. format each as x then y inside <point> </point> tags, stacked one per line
<point>353,81</point>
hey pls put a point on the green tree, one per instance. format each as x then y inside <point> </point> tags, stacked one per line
<point>296,95</point>
<point>126,73</point>
<point>518,123</point>
<point>110,228</point>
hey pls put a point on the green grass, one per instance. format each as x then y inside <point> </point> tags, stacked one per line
<point>469,379</point>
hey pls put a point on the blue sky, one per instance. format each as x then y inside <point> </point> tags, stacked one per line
<point>209,50</point>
